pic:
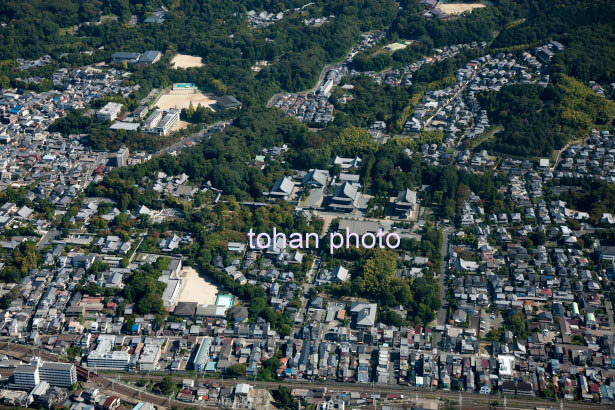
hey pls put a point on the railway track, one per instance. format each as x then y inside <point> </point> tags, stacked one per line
<point>22,351</point>
<point>473,401</point>
<point>477,400</point>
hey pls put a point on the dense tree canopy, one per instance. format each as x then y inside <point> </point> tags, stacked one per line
<point>536,121</point>
<point>24,258</point>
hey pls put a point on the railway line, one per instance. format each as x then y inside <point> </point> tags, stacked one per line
<point>471,401</point>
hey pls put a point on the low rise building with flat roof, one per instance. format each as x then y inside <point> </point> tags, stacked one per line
<point>149,357</point>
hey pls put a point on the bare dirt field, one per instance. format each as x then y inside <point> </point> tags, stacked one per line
<point>197,289</point>
<point>400,45</point>
<point>186,61</point>
<point>180,125</point>
<point>179,100</point>
<point>459,8</point>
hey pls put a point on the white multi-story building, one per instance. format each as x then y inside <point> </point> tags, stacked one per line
<point>110,111</point>
<point>167,122</point>
<point>104,358</point>
<point>118,360</point>
<point>56,374</point>
<point>161,122</point>
<point>26,376</point>
<point>149,357</point>
<point>152,121</point>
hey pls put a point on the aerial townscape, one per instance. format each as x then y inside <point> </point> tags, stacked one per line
<point>294,204</point>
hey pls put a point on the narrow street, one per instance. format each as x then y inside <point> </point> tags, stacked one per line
<point>188,139</point>
<point>309,283</point>
<point>49,236</point>
<point>441,106</point>
<point>558,156</point>
<point>609,312</point>
<point>442,312</point>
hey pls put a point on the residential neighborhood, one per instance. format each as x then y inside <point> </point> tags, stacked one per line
<point>433,233</point>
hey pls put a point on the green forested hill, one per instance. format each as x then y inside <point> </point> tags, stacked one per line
<point>536,121</point>
<point>217,32</point>
<point>586,27</point>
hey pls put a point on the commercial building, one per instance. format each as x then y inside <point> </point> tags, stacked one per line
<point>110,111</point>
<point>117,360</point>
<point>506,364</point>
<point>149,357</point>
<point>103,357</point>
<point>120,158</point>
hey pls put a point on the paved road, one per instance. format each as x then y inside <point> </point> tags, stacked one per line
<point>442,312</point>
<point>309,284</point>
<point>441,107</point>
<point>475,322</point>
<point>609,312</point>
<point>318,84</point>
<point>558,156</point>
<point>179,145</point>
<point>49,236</point>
